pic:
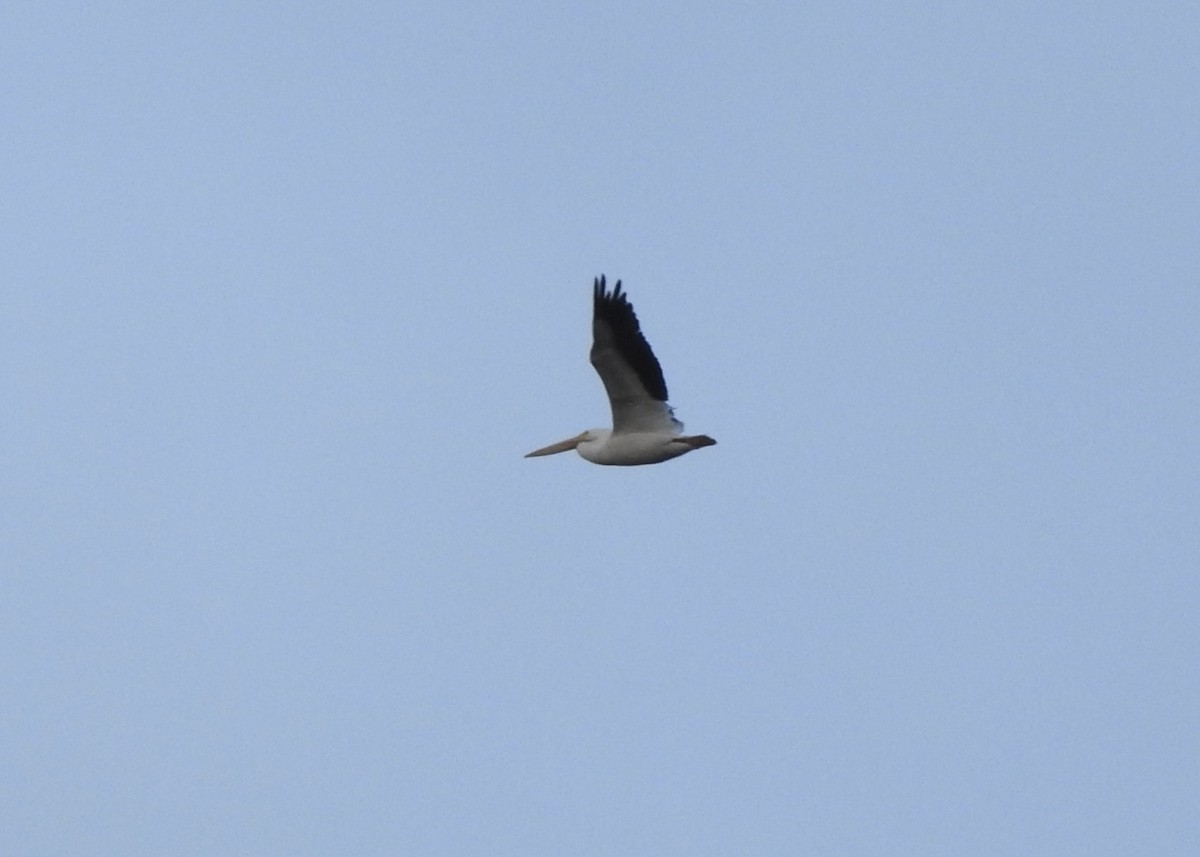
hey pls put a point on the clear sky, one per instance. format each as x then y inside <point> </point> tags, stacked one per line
<point>290,288</point>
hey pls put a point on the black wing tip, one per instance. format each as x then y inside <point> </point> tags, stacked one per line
<point>600,291</point>
<point>607,302</point>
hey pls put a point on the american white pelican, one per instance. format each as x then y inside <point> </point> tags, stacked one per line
<point>644,430</point>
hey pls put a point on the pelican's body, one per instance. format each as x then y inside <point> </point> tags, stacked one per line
<point>644,430</point>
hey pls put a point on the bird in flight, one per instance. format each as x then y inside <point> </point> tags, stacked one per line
<point>644,430</point>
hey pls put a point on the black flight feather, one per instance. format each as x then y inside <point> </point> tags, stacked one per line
<point>615,311</point>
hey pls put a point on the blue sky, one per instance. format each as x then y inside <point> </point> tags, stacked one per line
<point>291,288</point>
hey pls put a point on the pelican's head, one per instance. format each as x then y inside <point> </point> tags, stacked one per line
<point>563,445</point>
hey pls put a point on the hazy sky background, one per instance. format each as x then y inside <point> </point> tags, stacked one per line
<point>289,289</point>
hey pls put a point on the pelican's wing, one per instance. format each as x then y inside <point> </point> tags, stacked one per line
<point>630,371</point>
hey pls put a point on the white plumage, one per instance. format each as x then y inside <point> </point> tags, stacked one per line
<point>644,430</point>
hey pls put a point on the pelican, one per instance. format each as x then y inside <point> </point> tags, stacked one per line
<point>644,430</point>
